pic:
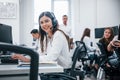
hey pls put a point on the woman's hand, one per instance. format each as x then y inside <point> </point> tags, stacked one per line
<point>108,65</point>
<point>16,56</point>
<point>20,57</point>
<point>110,46</point>
<point>116,43</point>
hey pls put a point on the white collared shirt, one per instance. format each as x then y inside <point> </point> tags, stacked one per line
<point>87,42</point>
<point>58,51</point>
<point>67,30</point>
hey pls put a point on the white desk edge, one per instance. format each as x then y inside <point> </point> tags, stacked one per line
<point>14,69</point>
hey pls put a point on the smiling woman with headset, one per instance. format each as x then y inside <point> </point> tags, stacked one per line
<point>54,41</point>
<point>58,45</point>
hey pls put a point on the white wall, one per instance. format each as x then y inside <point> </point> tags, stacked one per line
<point>87,17</point>
<point>75,16</point>
<point>108,12</point>
<point>26,21</point>
<point>14,22</point>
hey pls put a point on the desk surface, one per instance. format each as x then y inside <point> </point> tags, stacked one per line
<point>14,69</point>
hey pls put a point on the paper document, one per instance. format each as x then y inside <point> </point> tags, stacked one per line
<point>41,64</point>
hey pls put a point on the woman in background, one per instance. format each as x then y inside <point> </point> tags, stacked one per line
<point>114,46</point>
<point>92,54</point>
<point>87,40</point>
<point>107,38</point>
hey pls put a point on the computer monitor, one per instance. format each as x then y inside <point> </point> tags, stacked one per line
<point>6,37</point>
<point>100,31</point>
<point>5,33</point>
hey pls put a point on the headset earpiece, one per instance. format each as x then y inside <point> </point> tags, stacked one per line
<point>54,20</point>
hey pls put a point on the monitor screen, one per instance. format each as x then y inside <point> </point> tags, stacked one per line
<point>5,33</point>
<point>100,31</point>
<point>6,36</point>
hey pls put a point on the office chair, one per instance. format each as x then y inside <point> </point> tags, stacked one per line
<point>112,60</point>
<point>103,55</point>
<point>85,58</point>
<point>102,60</point>
<point>22,50</point>
<point>79,53</point>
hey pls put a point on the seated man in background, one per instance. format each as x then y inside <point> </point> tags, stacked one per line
<point>35,45</point>
<point>36,37</point>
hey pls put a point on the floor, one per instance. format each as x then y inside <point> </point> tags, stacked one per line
<point>92,77</point>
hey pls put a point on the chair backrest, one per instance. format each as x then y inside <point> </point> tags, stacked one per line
<point>81,43</point>
<point>100,46</point>
<point>79,53</point>
<point>77,43</point>
<point>103,56</point>
<point>23,50</point>
<point>83,52</point>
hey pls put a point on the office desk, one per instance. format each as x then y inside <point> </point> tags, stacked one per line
<point>14,69</point>
<point>13,72</point>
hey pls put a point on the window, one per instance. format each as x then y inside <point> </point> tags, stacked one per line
<point>61,7</point>
<point>51,5</point>
<point>40,6</point>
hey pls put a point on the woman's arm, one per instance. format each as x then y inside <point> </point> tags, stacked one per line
<point>21,57</point>
<point>110,46</point>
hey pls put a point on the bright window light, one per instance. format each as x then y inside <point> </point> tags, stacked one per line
<point>61,7</point>
<point>40,6</point>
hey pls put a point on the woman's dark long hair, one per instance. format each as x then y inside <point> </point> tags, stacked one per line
<point>85,33</point>
<point>43,33</point>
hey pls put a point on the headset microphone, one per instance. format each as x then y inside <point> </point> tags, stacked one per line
<point>51,28</point>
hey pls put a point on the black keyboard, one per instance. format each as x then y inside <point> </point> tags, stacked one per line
<point>7,59</point>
